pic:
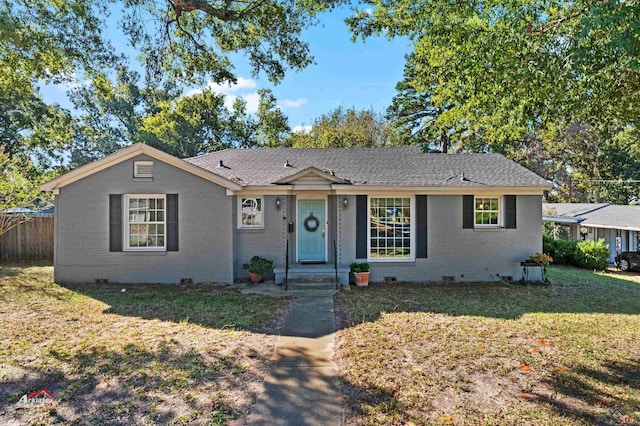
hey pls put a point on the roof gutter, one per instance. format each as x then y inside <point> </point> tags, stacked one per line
<point>562,220</point>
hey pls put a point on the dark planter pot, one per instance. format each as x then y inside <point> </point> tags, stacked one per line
<point>255,278</point>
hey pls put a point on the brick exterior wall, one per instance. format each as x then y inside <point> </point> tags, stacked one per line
<point>268,242</point>
<point>213,249</point>
<point>82,229</point>
<point>465,254</point>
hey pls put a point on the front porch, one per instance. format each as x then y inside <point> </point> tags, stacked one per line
<point>312,274</point>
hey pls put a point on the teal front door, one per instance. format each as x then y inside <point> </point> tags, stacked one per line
<point>311,231</point>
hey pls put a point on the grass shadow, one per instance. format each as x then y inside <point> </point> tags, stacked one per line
<point>8,271</point>
<point>208,305</point>
<point>170,384</point>
<point>584,386</point>
<point>572,291</point>
<point>154,354</point>
<point>489,353</point>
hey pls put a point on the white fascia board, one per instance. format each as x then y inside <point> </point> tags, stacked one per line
<point>562,220</point>
<point>622,228</point>
<point>130,152</point>
<point>263,189</point>
<point>439,190</point>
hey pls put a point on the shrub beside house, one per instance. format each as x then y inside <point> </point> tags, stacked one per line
<point>584,254</point>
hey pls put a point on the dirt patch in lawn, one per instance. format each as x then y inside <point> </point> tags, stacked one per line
<point>492,354</point>
<point>153,354</point>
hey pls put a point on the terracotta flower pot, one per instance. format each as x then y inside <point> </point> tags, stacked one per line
<point>362,278</point>
<point>255,278</point>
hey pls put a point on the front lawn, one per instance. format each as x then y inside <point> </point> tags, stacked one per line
<point>152,354</point>
<point>492,353</point>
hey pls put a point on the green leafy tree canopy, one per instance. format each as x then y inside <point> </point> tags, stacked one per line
<point>18,191</point>
<point>346,128</point>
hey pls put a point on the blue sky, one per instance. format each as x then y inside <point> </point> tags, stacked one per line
<point>360,74</point>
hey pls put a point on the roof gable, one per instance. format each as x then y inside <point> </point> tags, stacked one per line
<point>131,152</point>
<point>311,174</point>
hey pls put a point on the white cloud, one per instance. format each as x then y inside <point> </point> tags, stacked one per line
<point>241,84</point>
<point>192,92</point>
<point>66,82</point>
<point>293,103</point>
<point>225,88</point>
<point>252,100</point>
<point>301,129</point>
<point>229,100</point>
<point>233,92</point>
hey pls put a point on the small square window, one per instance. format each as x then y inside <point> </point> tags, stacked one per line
<point>143,169</point>
<point>250,212</point>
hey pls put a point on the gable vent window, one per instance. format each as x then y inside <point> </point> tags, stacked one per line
<point>143,169</point>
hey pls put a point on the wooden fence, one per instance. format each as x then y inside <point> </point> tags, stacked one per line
<point>31,240</point>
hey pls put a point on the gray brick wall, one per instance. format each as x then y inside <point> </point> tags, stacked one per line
<point>82,233</point>
<point>212,248</point>
<point>347,231</point>
<point>465,254</point>
<point>268,242</point>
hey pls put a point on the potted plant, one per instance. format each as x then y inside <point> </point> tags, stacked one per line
<point>361,273</point>
<point>258,268</point>
<point>541,259</point>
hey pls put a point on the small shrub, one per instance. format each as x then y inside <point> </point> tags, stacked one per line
<point>360,267</point>
<point>584,254</point>
<point>563,252</point>
<point>258,265</point>
<point>592,254</point>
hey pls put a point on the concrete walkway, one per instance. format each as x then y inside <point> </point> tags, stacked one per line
<point>302,386</point>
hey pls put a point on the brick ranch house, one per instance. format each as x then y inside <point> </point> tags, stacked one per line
<point>143,216</point>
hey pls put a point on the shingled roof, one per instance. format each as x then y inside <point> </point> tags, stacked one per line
<point>597,215</point>
<point>392,166</point>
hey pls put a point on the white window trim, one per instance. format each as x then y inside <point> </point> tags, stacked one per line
<point>125,221</point>
<point>137,164</point>
<point>239,215</point>
<point>501,213</point>
<point>412,249</point>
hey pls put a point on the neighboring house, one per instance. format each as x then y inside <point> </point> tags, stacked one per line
<point>594,221</point>
<point>141,215</point>
<point>29,212</point>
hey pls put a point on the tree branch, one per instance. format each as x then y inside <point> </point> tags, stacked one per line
<point>225,15</point>
<point>552,26</point>
<point>181,28</point>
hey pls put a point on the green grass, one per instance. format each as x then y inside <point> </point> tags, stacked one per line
<point>153,354</point>
<point>491,353</point>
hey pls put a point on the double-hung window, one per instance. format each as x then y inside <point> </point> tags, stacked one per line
<point>250,212</point>
<point>390,228</point>
<point>487,212</point>
<point>145,222</point>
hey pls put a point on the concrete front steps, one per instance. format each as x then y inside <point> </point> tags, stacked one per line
<point>313,277</point>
